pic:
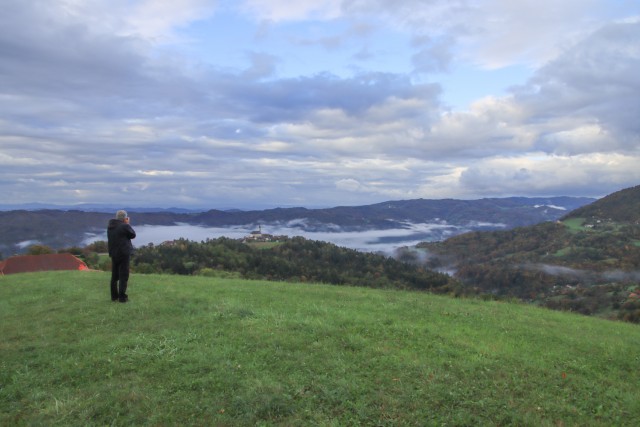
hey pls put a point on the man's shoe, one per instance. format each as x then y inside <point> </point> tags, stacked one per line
<point>124,299</point>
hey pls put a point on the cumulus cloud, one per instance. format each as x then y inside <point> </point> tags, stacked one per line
<point>594,84</point>
<point>578,175</point>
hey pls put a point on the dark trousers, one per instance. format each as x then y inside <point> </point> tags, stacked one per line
<point>119,276</point>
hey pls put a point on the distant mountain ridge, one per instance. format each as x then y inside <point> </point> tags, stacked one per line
<point>505,212</point>
<point>89,207</point>
<point>64,228</point>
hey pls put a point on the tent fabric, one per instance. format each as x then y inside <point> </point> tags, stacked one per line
<point>33,263</point>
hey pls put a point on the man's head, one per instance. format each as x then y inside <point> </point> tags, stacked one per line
<point>122,215</point>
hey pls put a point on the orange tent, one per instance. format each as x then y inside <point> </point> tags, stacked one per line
<point>49,262</point>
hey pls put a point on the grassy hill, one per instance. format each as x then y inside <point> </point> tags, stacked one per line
<point>205,351</point>
<point>621,206</point>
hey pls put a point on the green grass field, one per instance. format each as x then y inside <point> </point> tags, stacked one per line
<point>228,352</point>
<point>574,224</point>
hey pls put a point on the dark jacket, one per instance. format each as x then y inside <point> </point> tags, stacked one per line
<point>119,236</point>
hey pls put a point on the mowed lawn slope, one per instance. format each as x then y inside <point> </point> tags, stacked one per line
<point>204,351</point>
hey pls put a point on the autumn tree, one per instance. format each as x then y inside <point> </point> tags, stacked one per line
<point>39,250</point>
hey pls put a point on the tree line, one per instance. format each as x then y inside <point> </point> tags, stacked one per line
<point>293,259</point>
<point>590,270</point>
<point>479,274</point>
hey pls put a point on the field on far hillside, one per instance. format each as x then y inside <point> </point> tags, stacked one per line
<point>228,352</point>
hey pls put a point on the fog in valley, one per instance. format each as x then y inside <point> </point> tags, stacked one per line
<point>367,241</point>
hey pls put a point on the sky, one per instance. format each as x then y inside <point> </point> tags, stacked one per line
<point>264,103</point>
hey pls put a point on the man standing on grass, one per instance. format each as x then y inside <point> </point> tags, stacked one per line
<point>119,235</point>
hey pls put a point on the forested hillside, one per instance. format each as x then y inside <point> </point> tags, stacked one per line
<point>293,259</point>
<point>621,206</point>
<point>588,262</point>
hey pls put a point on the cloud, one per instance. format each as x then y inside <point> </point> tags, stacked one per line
<point>581,175</point>
<point>593,83</point>
<point>107,101</point>
<point>490,126</point>
<point>490,33</point>
<point>348,184</point>
<point>157,20</point>
<point>432,56</point>
<point>262,65</point>
<point>284,10</point>
<point>610,276</point>
<point>530,31</point>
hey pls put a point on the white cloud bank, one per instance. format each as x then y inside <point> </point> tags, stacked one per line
<point>369,241</point>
